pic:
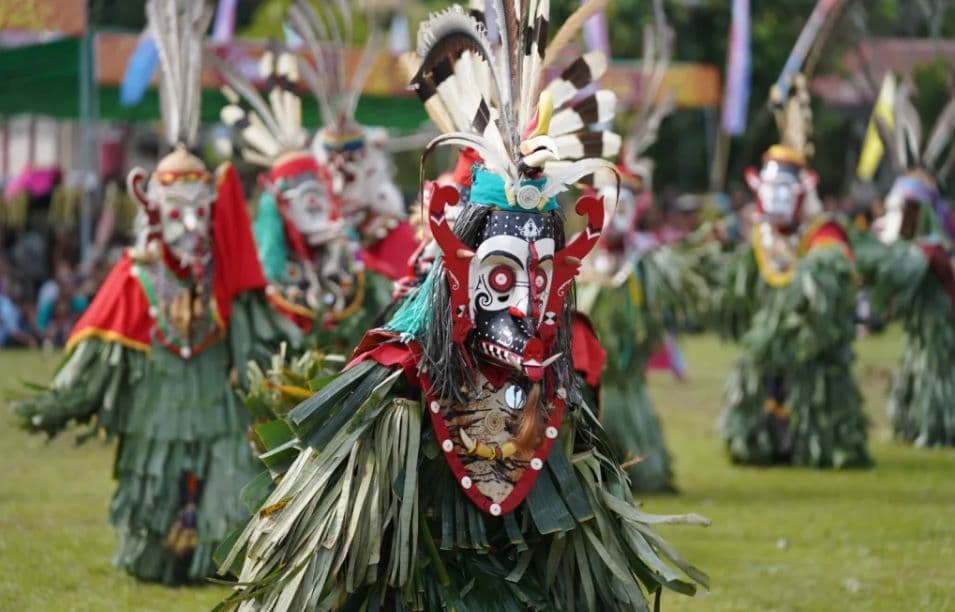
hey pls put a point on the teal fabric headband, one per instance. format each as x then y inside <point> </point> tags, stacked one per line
<point>487,189</point>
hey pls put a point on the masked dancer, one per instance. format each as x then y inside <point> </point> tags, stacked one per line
<point>150,363</point>
<point>453,463</point>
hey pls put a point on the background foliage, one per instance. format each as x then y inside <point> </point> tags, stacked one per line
<point>701,28</point>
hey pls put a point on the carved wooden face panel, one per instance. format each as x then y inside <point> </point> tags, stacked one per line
<point>481,441</point>
<point>185,216</point>
<point>510,280</point>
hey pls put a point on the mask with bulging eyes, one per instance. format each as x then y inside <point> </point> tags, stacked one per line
<point>511,275</point>
<point>780,190</point>
<point>185,216</point>
<point>508,292</point>
<point>309,207</point>
<point>345,164</point>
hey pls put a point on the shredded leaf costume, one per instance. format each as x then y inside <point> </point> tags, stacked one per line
<point>910,273</point>
<point>630,313</point>
<point>634,287</point>
<point>791,397</point>
<point>151,362</point>
<point>913,282</point>
<point>453,464</point>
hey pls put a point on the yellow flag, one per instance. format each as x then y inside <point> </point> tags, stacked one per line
<point>872,148</point>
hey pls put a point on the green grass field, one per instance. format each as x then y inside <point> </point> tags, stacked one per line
<point>781,539</point>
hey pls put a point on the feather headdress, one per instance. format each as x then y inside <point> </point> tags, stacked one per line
<point>903,139</point>
<point>492,97</point>
<point>178,28</point>
<point>327,34</point>
<point>653,104</point>
<point>920,168</point>
<point>268,128</point>
<point>794,122</point>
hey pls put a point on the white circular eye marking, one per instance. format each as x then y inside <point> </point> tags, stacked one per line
<point>134,271</point>
<point>435,407</point>
<point>551,432</point>
<point>466,482</point>
<point>495,509</point>
<point>153,312</point>
<point>447,446</point>
<point>514,397</point>
<point>185,352</point>
<point>537,464</point>
<point>270,289</point>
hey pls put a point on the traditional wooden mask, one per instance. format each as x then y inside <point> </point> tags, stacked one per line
<point>302,189</point>
<point>178,203</point>
<point>780,187</point>
<point>511,290</point>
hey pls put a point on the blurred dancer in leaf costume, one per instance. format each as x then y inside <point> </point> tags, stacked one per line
<point>790,294</point>
<point>632,283</point>
<point>910,273</point>
<point>357,157</point>
<point>150,361</point>
<point>330,222</point>
<point>315,275</point>
<point>453,463</point>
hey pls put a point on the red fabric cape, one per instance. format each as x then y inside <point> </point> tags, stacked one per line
<point>118,313</point>
<point>389,256</point>
<point>588,354</point>
<point>377,345</point>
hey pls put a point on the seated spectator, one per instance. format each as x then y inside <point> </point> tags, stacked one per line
<point>14,329</point>
<point>64,285</point>
<point>60,323</point>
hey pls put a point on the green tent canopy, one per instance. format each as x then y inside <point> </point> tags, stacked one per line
<point>44,79</point>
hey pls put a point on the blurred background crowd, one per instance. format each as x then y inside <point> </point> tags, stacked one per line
<point>73,121</point>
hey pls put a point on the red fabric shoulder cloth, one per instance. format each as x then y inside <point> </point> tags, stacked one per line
<point>828,232</point>
<point>119,312</point>
<point>386,349</point>
<point>389,256</point>
<point>588,354</point>
<point>941,266</point>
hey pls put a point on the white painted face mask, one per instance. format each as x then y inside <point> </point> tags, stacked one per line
<point>185,209</point>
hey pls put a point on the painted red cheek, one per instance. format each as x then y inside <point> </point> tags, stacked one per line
<point>174,214</point>
<point>201,213</point>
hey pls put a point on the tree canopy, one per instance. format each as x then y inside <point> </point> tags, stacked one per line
<point>701,28</point>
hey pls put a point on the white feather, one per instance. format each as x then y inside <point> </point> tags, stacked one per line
<point>561,91</point>
<point>569,146</point>
<point>569,120</point>
<point>611,144</point>
<point>565,122</point>
<point>606,105</point>
<point>565,175</point>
